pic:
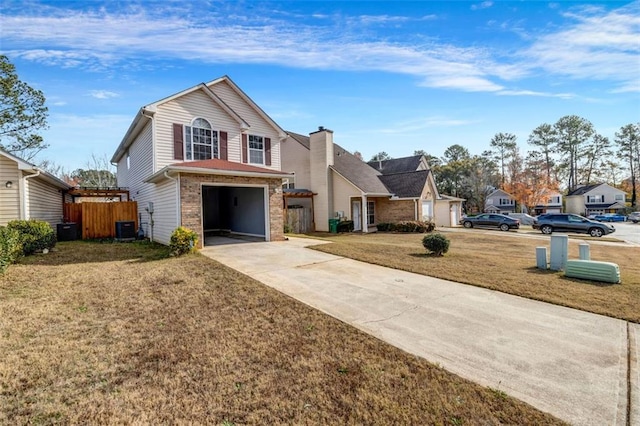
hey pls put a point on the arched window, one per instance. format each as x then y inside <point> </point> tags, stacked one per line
<point>201,142</point>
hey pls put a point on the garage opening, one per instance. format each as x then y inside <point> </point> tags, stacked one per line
<point>235,212</point>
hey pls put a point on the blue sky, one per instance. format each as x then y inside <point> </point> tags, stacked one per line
<point>384,76</point>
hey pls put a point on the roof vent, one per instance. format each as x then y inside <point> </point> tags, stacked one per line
<point>320,128</point>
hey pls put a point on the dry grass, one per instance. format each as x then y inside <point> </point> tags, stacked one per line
<point>504,262</point>
<point>118,334</point>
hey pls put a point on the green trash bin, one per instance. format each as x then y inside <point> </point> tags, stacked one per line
<point>333,225</point>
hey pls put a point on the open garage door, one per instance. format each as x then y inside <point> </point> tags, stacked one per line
<point>234,210</point>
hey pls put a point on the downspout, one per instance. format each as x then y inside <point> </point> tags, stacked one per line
<point>23,194</point>
<point>415,209</point>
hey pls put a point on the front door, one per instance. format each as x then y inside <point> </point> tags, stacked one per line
<point>356,214</point>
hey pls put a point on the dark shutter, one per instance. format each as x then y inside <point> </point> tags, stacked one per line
<point>223,146</point>
<point>178,142</point>
<point>267,151</point>
<point>245,158</point>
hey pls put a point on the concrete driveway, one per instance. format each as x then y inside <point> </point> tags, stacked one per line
<point>567,362</point>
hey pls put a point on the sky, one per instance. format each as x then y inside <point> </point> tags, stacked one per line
<point>392,76</point>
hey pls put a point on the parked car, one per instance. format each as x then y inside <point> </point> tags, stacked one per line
<point>634,217</point>
<point>610,217</point>
<point>524,218</point>
<point>490,220</point>
<point>572,223</point>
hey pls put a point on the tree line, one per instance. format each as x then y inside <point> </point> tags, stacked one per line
<point>559,157</point>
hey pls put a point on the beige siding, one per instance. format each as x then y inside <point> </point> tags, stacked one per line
<point>296,158</point>
<point>165,207</point>
<point>184,109</point>
<point>575,204</point>
<point>9,197</point>
<point>259,126</point>
<point>343,191</point>
<point>141,167</point>
<point>43,202</point>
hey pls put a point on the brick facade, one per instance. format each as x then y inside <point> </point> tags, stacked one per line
<point>394,211</point>
<point>191,201</point>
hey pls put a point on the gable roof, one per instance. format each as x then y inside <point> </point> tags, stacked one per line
<point>397,165</point>
<point>217,167</point>
<point>406,185</point>
<point>25,165</point>
<point>358,172</point>
<point>147,112</point>
<point>500,191</point>
<point>302,139</point>
<point>586,188</point>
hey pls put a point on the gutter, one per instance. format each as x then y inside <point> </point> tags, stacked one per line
<point>167,169</point>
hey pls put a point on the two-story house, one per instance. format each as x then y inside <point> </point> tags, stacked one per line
<point>207,158</point>
<point>595,199</point>
<point>500,201</point>
<point>552,203</point>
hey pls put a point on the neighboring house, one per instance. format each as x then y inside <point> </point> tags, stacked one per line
<point>207,158</point>
<point>500,201</point>
<point>344,186</point>
<point>552,204</point>
<point>595,199</point>
<point>27,192</point>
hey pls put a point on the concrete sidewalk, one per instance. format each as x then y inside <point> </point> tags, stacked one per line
<point>567,362</point>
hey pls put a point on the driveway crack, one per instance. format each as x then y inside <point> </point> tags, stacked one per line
<point>412,308</point>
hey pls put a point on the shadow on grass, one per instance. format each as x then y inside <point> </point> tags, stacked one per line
<point>92,251</point>
<point>426,255</point>
<point>534,270</point>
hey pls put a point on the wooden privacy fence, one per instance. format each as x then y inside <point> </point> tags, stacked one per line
<point>299,220</point>
<point>98,220</point>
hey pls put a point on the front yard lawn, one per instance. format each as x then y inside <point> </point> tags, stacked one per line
<point>121,334</point>
<point>503,262</point>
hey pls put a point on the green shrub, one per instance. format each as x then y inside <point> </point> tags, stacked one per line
<point>407,226</point>
<point>10,247</point>
<point>183,240</point>
<point>437,244</point>
<point>35,235</point>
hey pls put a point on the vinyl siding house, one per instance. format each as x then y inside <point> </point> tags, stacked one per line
<point>207,158</point>
<point>595,199</point>
<point>27,192</point>
<point>500,201</point>
<point>345,186</point>
<point>552,204</point>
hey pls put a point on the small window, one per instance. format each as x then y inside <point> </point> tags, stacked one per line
<point>371,212</point>
<point>595,199</point>
<point>129,161</point>
<point>256,149</point>
<point>619,197</point>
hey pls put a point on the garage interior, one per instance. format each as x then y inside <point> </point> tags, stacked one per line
<point>236,212</point>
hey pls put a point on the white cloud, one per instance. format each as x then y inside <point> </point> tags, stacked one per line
<point>483,5</point>
<point>103,94</point>
<point>534,93</point>
<point>598,46</point>
<point>421,123</point>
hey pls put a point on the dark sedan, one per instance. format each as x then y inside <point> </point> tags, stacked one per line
<point>490,220</point>
<point>571,223</point>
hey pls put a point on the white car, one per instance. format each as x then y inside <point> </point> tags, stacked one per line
<point>634,217</point>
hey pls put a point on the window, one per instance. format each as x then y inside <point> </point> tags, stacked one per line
<point>595,199</point>
<point>128,162</point>
<point>201,142</point>
<point>619,197</point>
<point>554,200</point>
<point>371,212</point>
<point>506,201</point>
<point>256,149</point>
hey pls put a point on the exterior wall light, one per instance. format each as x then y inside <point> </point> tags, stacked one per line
<point>9,184</point>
